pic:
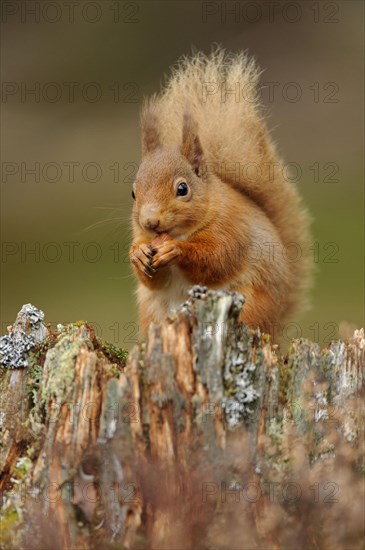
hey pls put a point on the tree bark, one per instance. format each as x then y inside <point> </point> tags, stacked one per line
<point>205,437</point>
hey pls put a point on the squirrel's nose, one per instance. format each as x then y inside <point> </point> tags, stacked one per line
<point>149,216</point>
<point>152,224</point>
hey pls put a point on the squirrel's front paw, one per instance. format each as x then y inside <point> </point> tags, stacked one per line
<point>165,251</point>
<point>141,257</point>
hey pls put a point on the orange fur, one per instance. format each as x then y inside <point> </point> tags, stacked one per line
<point>229,231</point>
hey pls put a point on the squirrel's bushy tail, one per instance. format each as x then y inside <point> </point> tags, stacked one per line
<point>221,92</point>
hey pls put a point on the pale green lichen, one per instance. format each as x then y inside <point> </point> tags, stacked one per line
<point>22,468</point>
<point>275,432</point>
<point>11,515</point>
<point>34,379</point>
<point>112,352</point>
<point>59,367</point>
<point>11,531</point>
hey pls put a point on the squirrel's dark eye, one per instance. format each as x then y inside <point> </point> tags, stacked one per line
<point>133,196</point>
<point>182,189</point>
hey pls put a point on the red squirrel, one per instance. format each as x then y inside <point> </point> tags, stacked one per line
<point>211,203</point>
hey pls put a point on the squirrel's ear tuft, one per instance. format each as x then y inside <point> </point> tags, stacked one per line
<point>191,147</point>
<point>149,127</point>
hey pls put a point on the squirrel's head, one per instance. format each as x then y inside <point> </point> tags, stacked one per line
<point>170,194</point>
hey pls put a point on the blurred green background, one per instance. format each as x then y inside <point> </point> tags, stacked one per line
<point>90,67</point>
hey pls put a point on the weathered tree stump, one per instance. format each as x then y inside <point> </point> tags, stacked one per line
<point>204,438</point>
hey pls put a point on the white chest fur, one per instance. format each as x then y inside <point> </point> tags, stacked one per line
<point>160,302</point>
<point>177,291</point>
